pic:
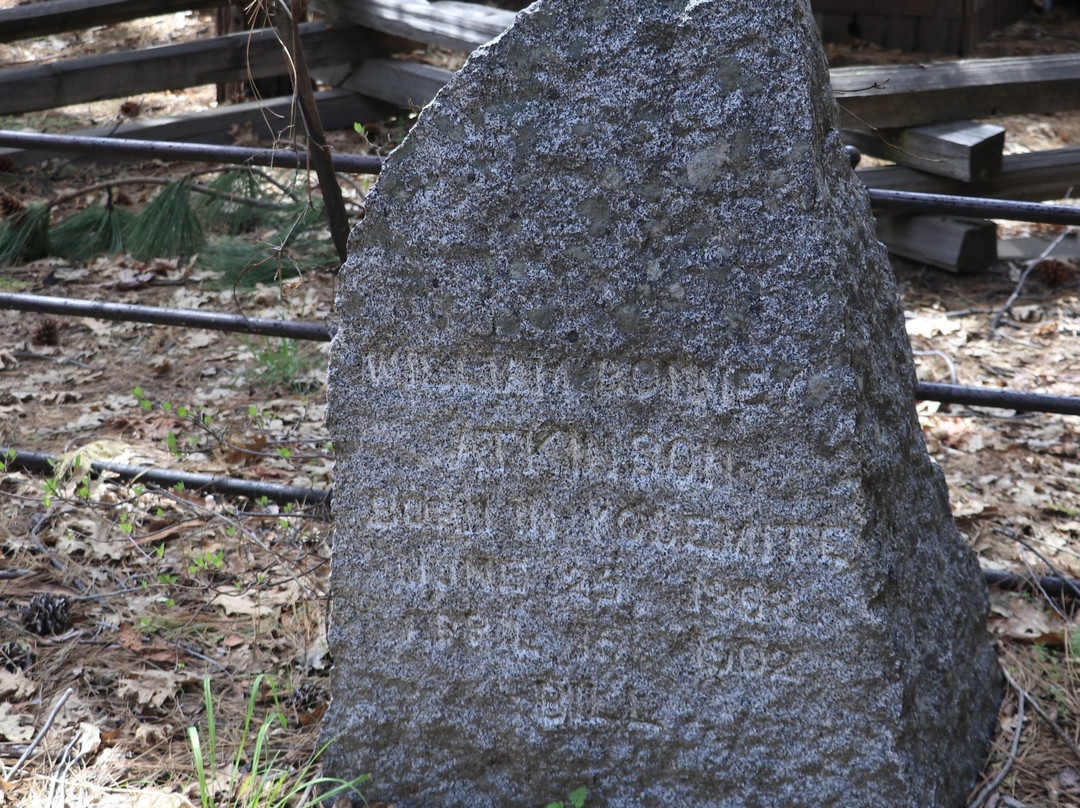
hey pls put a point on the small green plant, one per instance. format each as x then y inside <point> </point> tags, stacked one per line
<point>52,489</point>
<point>207,561</point>
<point>576,798</point>
<point>281,361</point>
<point>261,783</point>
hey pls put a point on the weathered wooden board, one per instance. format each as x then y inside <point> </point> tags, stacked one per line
<point>338,109</point>
<point>235,57</point>
<point>42,19</point>
<point>1036,176</point>
<point>958,245</point>
<point>912,95</point>
<point>963,150</point>
<point>445,23</point>
<point>1029,247</point>
<point>409,85</point>
<point>886,96</point>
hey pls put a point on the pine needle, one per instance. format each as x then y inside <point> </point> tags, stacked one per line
<point>233,216</point>
<point>25,236</point>
<point>168,226</point>
<point>96,230</point>
<point>239,263</point>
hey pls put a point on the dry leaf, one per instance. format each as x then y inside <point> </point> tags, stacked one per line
<point>243,604</point>
<point>15,686</point>
<point>1020,619</point>
<point>930,325</point>
<point>149,735</point>
<point>152,688</point>
<point>89,739</point>
<point>154,650</point>
<point>265,603</point>
<point>15,727</point>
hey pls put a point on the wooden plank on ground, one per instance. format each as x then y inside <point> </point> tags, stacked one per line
<point>338,109</point>
<point>409,85</point>
<point>958,245</point>
<point>1030,247</point>
<point>56,16</point>
<point>445,23</point>
<point>235,57</point>
<point>912,95</point>
<point>1036,176</point>
<point>963,150</point>
<point>886,97</point>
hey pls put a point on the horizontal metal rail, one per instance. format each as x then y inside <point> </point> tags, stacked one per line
<point>371,164</point>
<point>911,202</point>
<point>38,463</point>
<point>185,318</point>
<point>321,332</point>
<point>191,152</point>
<point>1000,399</point>
<point>1052,585</point>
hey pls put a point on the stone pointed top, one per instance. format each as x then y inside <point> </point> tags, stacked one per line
<point>630,489</point>
<point>628,134</point>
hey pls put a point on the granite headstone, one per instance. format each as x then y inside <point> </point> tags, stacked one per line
<point>630,490</point>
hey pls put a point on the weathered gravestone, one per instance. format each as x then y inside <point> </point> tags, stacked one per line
<point>630,489</point>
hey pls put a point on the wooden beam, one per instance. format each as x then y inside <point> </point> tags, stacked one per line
<point>1029,247</point>
<point>445,23</point>
<point>235,57</point>
<point>57,16</point>
<point>882,96</point>
<point>338,109</point>
<point>1036,176</point>
<point>912,95</point>
<point>958,245</point>
<point>409,85</point>
<point>963,150</point>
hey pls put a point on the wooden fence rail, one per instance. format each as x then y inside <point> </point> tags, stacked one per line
<point>234,57</point>
<point>56,16</point>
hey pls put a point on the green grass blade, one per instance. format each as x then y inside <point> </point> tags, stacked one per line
<point>200,766</point>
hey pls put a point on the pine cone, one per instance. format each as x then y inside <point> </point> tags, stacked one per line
<point>9,204</point>
<point>46,615</point>
<point>1053,271</point>
<point>307,696</point>
<point>7,165</point>
<point>46,332</point>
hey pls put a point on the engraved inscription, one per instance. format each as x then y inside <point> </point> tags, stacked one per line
<point>719,539</point>
<point>575,453</point>
<point>691,386</point>
<point>723,656</point>
<point>561,703</point>
<point>478,576</point>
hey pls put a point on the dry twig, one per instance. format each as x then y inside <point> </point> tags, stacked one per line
<point>992,784</point>
<point>1039,711</point>
<point>1028,267</point>
<point>41,734</point>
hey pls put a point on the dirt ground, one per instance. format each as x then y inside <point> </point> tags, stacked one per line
<point>165,585</point>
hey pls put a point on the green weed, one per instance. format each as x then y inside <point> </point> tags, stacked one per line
<point>282,361</point>
<point>576,798</point>
<point>260,782</point>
